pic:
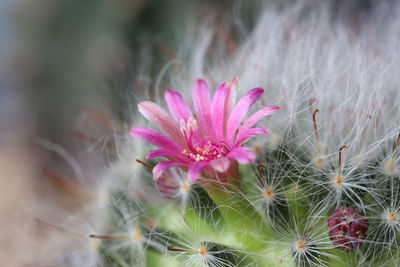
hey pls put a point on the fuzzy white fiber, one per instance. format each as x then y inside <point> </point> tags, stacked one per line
<point>347,64</point>
<point>306,55</point>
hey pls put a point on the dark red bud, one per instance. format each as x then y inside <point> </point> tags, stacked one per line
<point>347,228</point>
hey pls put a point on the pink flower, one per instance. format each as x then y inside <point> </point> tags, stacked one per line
<point>208,140</point>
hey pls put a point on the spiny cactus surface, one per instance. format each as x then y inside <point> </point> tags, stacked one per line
<point>213,181</point>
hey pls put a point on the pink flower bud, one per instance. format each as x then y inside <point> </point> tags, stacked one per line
<point>347,228</point>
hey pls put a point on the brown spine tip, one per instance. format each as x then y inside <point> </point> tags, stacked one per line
<point>259,167</point>
<point>340,160</point>
<point>171,248</point>
<point>145,164</point>
<point>108,237</point>
<point>396,148</point>
<point>315,125</point>
<point>306,232</point>
<point>340,155</point>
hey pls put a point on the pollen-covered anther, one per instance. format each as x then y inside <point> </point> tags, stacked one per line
<point>208,150</point>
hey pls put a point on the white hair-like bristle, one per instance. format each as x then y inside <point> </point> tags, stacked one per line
<point>306,56</point>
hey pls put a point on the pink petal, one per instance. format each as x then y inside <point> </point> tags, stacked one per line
<point>217,110</point>
<point>230,99</point>
<point>156,138</point>
<point>256,117</point>
<point>221,165</point>
<point>202,104</point>
<point>250,133</point>
<point>240,110</point>
<point>177,106</point>
<point>195,170</point>
<point>158,116</point>
<point>242,155</point>
<point>166,153</point>
<point>162,166</point>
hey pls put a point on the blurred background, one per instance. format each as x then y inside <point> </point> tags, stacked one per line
<point>71,72</point>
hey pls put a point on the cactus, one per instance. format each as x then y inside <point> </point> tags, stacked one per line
<point>320,187</point>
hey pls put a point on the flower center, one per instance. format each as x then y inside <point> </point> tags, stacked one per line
<point>208,150</point>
